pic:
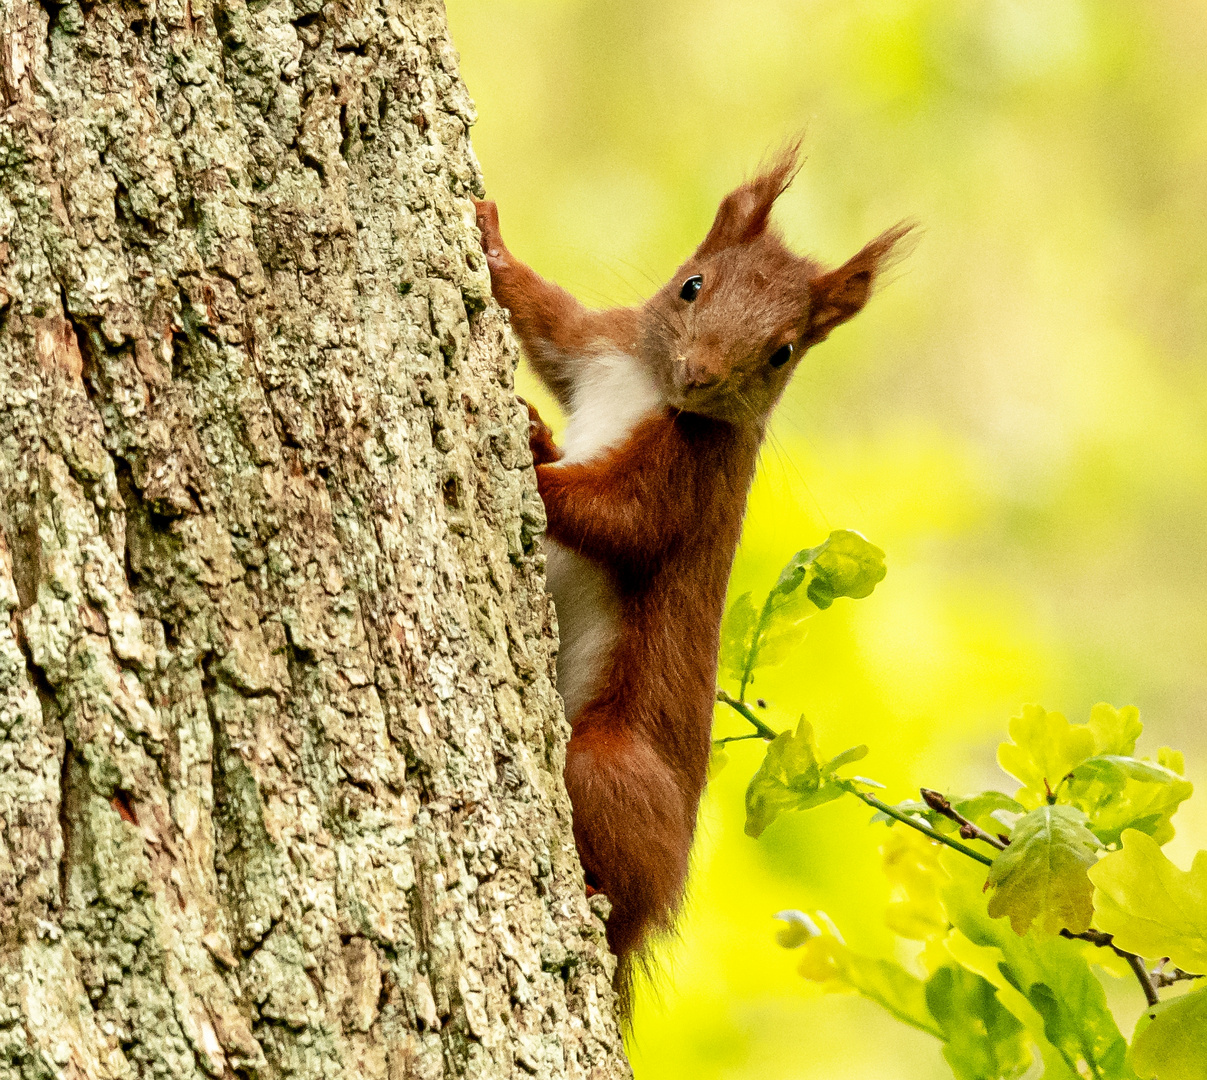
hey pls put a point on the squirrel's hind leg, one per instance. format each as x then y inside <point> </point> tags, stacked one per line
<point>633,829</point>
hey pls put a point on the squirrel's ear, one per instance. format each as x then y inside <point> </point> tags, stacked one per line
<point>743,213</point>
<point>837,296</point>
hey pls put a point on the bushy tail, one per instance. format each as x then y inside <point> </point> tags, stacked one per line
<point>633,825</point>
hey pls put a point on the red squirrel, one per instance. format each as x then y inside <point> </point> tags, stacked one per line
<point>667,404</point>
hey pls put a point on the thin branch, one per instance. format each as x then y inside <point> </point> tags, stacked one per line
<point>1144,978</point>
<point>1164,976</point>
<point>940,804</point>
<point>1095,937</point>
<point>1149,980</point>
<point>914,823</point>
<point>744,710</point>
<point>737,738</point>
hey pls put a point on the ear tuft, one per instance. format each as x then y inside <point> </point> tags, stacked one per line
<point>743,213</point>
<point>841,294</point>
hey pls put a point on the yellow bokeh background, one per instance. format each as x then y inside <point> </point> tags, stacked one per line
<point>1017,417</point>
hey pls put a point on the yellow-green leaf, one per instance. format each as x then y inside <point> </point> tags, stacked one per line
<point>737,636</point>
<point>1041,877</point>
<point>983,1039</point>
<point>1151,907</point>
<point>1171,1040</point>
<point>1120,793</point>
<point>911,864</point>
<point>1044,750</point>
<point>790,778</point>
<point>1051,973</point>
<point>845,565</point>
<point>828,961</point>
<point>1115,730</point>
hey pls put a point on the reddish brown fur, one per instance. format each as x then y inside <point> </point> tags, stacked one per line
<point>662,513</point>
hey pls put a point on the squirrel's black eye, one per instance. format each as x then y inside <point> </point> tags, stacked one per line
<point>781,356</point>
<point>691,288</point>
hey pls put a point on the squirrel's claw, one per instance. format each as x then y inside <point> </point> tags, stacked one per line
<point>488,225</point>
<point>540,437</point>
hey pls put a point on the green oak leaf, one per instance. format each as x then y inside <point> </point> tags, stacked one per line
<point>781,626</point>
<point>1041,876</point>
<point>1171,1039</point>
<point>987,962</point>
<point>983,1039</point>
<point>1051,973</point>
<point>844,564</point>
<point>791,777</point>
<point>737,634</point>
<point>1119,792</point>
<point>1115,731</point>
<point>1044,749</point>
<point>911,865</point>
<point>828,961</point>
<point>1151,907</point>
<point>847,757</point>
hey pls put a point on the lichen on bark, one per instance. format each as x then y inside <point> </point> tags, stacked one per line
<point>280,750</point>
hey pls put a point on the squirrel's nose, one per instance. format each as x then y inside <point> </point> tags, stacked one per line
<point>698,375</point>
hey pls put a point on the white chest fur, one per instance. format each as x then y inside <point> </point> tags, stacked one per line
<point>613,395</point>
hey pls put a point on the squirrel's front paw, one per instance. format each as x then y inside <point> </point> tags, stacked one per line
<point>540,437</point>
<point>488,225</point>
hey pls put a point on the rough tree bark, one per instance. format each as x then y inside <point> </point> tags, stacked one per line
<point>280,752</point>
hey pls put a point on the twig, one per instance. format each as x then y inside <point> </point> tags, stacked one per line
<point>1149,980</point>
<point>1095,937</point>
<point>764,732</point>
<point>940,804</point>
<point>1146,980</point>
<point>914,823</point>
<point>1164,976</point>
<point>737,738</point>
<point>744,710</point>
<point>1136,963</point>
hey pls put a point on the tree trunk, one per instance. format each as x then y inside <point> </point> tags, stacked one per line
<point>280,769</point>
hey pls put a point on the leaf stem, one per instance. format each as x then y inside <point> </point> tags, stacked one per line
<point>744,710</point>
<point>737,738</point>
<point>752,653</point>
<point>940,804</point>
<point>914,823</point>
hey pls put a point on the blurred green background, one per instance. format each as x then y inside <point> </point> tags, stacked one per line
<point>1016,418</point>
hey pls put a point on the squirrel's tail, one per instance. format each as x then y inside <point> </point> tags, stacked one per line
<point>633,824</point>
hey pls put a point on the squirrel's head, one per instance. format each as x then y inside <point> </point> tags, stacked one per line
<point>727,331</point>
